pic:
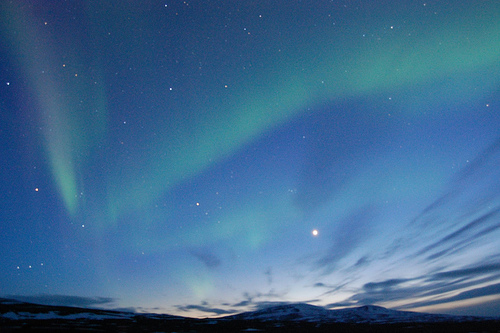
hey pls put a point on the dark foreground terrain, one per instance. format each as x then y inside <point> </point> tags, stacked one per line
<point>151,325</point>
<point>25,317</point>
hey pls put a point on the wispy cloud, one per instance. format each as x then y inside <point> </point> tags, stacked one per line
<point>457,225</point>
<point>434,289</point>
<point>459,222</point>
<point>384,285</point>
<point>204,308</point>
<point>468,209</point>
<point>208,258</point>
<point>493,289</point>
<point>472,230</point>
<point>269,274</point>
<point>472,272</point>
<point>249,302</point>
<point>476,167</point>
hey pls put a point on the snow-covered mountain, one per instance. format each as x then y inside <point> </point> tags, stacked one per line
<point>364,314</point>
<point>299,312</point>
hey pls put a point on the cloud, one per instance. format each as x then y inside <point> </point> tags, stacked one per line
<point>248,303</point>
<point>490,290</point>
<point>331,288</point>
<point>476,167</point>
<point>269,274</point>
<point>436,286</point>
<point>128,309</point>
<point>340,304</point>
<point>209,259</point>
<point>462,223</point>
<point>462,220</point>
<point>472,272</point>
<point>249,298</point>
<point>255,306</point>
<point>384,285</point>
<point>363,261</point>
<point>265,300</point>
<point>465,234</point>
<point>243,303</point>
<point>480,174</point>
<point>65,300</point>
<point>204,308</point>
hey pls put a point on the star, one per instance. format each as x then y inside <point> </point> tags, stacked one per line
<point>315,232</point>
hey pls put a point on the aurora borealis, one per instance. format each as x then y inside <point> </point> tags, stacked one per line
<point>176,156</point>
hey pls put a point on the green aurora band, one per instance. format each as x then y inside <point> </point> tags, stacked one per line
<point>74,114</point>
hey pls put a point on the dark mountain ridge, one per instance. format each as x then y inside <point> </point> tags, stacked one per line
<point>18,316</point>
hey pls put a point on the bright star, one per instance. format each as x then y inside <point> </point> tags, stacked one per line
<point>315,232</point>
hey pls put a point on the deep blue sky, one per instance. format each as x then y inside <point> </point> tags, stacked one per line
<point>176,156</point>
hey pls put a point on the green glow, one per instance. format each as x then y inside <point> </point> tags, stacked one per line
<point>179,158</point>
<point>72,104</point>
<point>341,68</point>
<point>364,67</point>
<point>66,180</point>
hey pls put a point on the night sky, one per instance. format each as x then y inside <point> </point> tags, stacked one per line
<point>203,158</point>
